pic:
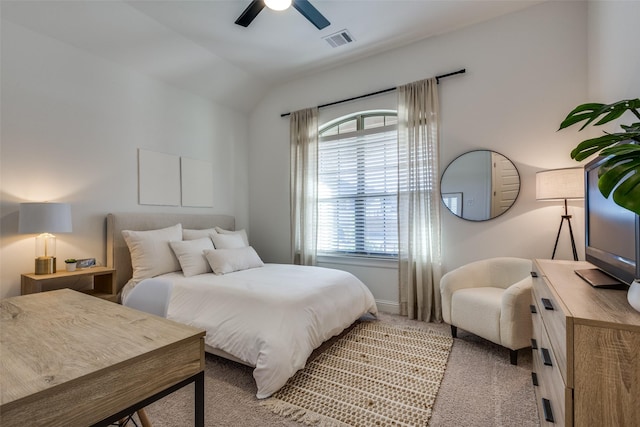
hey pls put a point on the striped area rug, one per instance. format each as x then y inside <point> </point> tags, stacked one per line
<point>375,375</point>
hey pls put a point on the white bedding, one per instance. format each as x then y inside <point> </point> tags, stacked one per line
<point>270,317</point>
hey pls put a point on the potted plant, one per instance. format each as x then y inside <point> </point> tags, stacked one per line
<point>70,264</point>
<point>620,173</point>
<point>623,165</point>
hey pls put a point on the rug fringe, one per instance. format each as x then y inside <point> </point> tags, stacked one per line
<point>299,414</point>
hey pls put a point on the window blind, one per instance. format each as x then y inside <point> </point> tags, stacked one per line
<point>357,193</point>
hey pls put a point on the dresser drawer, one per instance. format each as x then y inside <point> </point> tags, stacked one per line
<point>597,359</point>
<point>551,391</point>
<point>555,322</point>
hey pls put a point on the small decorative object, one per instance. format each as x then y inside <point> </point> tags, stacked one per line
<point>633,295</point>
<point>70,264</point>
<point>86,262</point>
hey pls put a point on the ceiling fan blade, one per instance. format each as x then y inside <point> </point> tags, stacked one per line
<point>250,13</point>
<point>311,13</point>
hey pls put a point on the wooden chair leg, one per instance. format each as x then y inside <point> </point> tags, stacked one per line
<point>144,420</point>
<point>514,356</point>
<point>454,331</point>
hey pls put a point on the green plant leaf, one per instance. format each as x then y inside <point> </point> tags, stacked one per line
<point>620,173</point>
<point>613,114</point>
<point>633,131</point>
<point>590,146</point>
<point>621,149</point>
<point>627,194</point>
<point>591,111</point>
<point>616,110</point>
<point>580,113</point>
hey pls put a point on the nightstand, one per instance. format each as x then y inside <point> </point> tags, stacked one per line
<point>102,280</point>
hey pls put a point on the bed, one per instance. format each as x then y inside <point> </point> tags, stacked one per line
<point>270,317</point>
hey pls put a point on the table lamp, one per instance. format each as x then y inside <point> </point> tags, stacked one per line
<point>561,184</point>
<point>45,218</point>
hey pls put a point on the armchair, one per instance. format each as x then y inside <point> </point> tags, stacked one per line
<point>491,299</point>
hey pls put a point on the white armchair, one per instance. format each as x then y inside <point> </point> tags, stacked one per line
<point>491,299</point>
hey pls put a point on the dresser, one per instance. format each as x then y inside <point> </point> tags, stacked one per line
<point>586,350</point>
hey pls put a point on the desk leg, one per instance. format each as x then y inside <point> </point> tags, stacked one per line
<point>199,400</point>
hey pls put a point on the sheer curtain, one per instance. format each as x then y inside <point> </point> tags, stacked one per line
<point>419,201</point>
<point>304,185</point>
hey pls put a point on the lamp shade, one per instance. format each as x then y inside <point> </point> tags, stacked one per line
<point>44,218</point>
<point>560,184</point>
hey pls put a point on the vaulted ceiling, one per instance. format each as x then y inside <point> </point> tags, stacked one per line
<point>195,45</point>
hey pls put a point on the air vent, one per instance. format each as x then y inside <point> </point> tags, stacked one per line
<point>340,38</point>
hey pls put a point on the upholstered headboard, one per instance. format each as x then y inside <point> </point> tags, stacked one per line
<point>118,256</point>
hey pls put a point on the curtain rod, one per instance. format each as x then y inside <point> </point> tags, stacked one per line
<point>442,76</point>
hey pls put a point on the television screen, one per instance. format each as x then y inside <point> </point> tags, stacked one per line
<point>611,231</point>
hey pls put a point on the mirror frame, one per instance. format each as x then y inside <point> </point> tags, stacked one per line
<point>461,215</point>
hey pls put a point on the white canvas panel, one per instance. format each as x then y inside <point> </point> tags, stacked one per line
<point>158,178</point>
<point>197,183</point>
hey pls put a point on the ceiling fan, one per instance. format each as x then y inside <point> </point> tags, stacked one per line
<point>302,6</point>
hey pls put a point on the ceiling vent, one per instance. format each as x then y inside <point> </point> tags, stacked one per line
<point>340,38</point>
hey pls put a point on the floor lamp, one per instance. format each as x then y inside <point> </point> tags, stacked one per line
<point>561,184</point>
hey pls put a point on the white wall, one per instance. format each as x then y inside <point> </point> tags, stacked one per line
<point>71,127</point>
<point>614,61</point>
<point>525,72</point>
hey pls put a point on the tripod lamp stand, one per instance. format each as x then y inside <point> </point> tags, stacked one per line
<point>561,184</point>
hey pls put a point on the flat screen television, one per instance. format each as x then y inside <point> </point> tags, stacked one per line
<point>612,237</point>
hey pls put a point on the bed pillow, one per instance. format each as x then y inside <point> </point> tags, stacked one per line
<point>151,254</point>
<point>225,261</point>
<point>191,234</point>
<point>242,233</point>
<point>190,254</point>
<point>227,241</point>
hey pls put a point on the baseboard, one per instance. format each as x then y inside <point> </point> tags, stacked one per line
<point>390,307</point>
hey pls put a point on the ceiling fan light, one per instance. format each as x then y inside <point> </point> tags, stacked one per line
<point>277,4</point>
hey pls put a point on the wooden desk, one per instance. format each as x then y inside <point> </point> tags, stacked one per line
<point>69,359</point>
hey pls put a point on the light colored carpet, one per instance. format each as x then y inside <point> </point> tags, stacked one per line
<point>375,375</point>
<point>480,388</point>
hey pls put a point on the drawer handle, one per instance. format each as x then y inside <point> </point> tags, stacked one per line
<point>534,344</point>
<point>546,357</point>
<point>532,308</point>
<point>548,413</point>
<point>546,302</point>
<point>534,379</point>
<point>534,274</point>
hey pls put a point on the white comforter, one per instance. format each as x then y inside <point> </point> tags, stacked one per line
<point>270,317</point>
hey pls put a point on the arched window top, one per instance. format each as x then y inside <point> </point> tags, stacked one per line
<point>358,185</point>
<point>359,121</point>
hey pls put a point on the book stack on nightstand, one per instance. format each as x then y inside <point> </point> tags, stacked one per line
<point>103,282</point>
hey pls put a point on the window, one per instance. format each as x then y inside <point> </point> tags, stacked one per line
<point>358,185</point>
<point>453,201</point>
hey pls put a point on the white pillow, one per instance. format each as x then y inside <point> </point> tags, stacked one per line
<point>190,234</point>
<point>151,254</point>
<point>225,261</point>
<point>227,241</point>
<point>242,233</point>
<point>190,254</point>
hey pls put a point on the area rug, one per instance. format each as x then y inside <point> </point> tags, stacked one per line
<point>375,375</point>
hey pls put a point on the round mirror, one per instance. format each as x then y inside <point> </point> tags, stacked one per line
<point>480,185</point>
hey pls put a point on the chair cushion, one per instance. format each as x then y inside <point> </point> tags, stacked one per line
<point>477,310</point>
